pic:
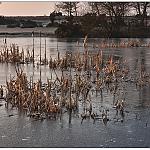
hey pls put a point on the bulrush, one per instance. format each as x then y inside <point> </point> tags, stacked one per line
<point>89,73</point>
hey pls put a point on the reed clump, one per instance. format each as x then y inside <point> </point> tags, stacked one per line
<point>89,74</point>
<point>13,54</point>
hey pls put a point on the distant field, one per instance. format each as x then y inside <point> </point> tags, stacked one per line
<point>27,31</point>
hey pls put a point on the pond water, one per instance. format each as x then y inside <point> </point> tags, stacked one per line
<point>21,131</point>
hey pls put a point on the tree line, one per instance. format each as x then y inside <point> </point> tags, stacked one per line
<point>98,13</point>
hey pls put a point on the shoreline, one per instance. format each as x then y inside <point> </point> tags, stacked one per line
<point>50,32</point>
<point>27,32</point>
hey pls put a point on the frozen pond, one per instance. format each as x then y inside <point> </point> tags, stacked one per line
<point>21,131</point>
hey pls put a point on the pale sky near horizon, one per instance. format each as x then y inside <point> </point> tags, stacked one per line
<point>26,8</point>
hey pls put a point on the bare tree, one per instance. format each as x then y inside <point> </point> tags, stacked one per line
<point>114,10</point>
<point>69,8</point>
<point>141,9</point>
<point>84,8</point>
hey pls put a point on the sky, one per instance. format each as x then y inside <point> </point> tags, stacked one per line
<point>26,8</point>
